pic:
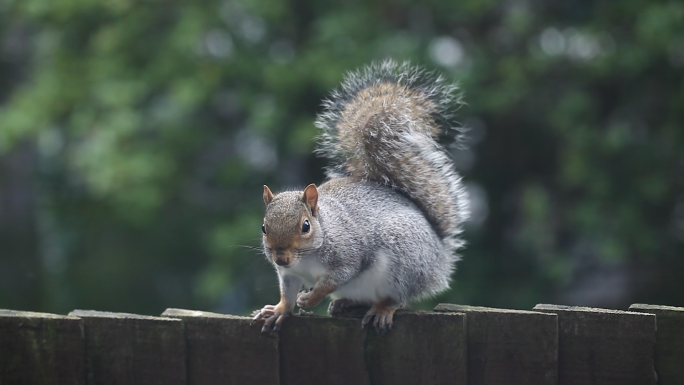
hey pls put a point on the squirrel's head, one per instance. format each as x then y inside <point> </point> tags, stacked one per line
<point>291,228</point>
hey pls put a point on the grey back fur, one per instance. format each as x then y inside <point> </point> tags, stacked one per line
<point>373,222</point>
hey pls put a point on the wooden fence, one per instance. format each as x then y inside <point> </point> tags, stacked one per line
<point>454,344</point>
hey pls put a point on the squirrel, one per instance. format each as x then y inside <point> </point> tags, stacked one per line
<point>384,229</point>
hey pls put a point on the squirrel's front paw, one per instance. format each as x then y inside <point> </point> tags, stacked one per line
<point>303,298</point>
<point>273,317</point>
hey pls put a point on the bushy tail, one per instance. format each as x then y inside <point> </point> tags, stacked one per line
<point>384,125</point>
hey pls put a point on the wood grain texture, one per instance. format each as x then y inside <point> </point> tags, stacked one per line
<point>225,349</point>
<point>509,346</point>
<point>669,349</point>
<point>600,346</point>
<point>40,348</point>
<point>322,350</point>
<point>421,348</point>
<point>133,349</point>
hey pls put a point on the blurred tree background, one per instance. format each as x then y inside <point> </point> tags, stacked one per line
<point>135,137</point>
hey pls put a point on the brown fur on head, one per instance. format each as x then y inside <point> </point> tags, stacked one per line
<point>290,224</point>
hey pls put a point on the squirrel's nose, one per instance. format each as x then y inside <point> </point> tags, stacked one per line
<point>280,258</point>
<point>281,261</point>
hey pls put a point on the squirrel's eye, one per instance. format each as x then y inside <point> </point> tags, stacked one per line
<point>306,227</point>
<point>263,229</point>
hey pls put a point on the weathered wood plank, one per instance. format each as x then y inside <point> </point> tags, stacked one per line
<point>509,346</point>
<point>224,349</point>
<point>322,350</point>
<point>600,346</point>
<point>669,349</point>
<point>40,348</point>
<point>133,349</point>
<point>421,348</point>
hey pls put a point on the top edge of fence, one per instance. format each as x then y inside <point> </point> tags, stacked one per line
<point>568,308</point>
<point>647,307</point>
<point>31,314</point>
<point>185,313</point>
<point>450,307</point>
<point>106,314</point>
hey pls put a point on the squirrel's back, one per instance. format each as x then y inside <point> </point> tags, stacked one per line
<point>384,125</point>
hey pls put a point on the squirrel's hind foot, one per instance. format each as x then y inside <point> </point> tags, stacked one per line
<point>382,314</point>
<point>338,307</point>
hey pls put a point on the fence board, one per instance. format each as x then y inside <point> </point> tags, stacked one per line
<point>509,346</point>
<point>669,349</point>
<point>40,348</point>
<point>600,346</point>
<point>552,344</point>
<point>133,349</point>
<point>421,348</point>
<point>322,350</point>
<point>224,349</point>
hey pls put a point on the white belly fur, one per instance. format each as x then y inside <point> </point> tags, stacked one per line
<point>371,286</point>
<point>308,269</point>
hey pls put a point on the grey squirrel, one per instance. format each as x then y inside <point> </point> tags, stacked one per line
<point>384,228</point>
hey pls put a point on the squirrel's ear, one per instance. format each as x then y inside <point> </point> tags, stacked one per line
<point>268,195</point>
<point>310,197</point>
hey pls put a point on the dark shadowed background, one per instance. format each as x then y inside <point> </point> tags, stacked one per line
<point>135,137</point>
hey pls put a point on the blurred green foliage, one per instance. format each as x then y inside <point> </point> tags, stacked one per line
<point>135,137</point>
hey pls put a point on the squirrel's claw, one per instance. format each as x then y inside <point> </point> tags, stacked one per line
<point>273,319</point>
<point>383,318</point>
<point>258,315</point>
<point>273,323</point>
<point>369,315</point>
